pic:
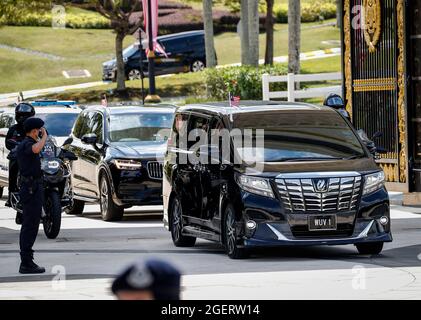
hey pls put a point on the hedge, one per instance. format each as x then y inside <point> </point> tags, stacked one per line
<point>243,81</point>
<point>310,11</point>
<point>75,18</point>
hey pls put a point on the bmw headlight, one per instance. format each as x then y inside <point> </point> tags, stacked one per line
<point>373,182</point>
<point>128,164</point>
<point>255,185</point>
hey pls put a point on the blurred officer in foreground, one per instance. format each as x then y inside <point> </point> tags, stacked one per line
<point>148,280</point>
<point>15,135</point>
<point>30,191</point>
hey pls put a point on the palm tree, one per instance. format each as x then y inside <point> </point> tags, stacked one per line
<point>209,35</point>
<point>294,36</point>
<point>245,41</point>
<point>269,23</point>
<point>253,22</point>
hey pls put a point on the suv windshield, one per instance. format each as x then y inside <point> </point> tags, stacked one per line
<point>299,136</point>
<point>58,124</point>
<point>143,126</point>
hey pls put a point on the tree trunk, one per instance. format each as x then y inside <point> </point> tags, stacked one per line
<point>209,35</point>
<point>294,36</point>
<point>253,21</point>
<point>121,74</point>
<point>245,40</point>
<point>338,13</point>
<point>269,32</point>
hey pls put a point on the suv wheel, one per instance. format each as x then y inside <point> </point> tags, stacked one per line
<point>1,192</point>
<point>109,210</point>
<point>230,237</point>
<point>370,248</point>
<point>76,208</point>
<point>133,74</point>
<point>177,226</point>
<point>197,65</point>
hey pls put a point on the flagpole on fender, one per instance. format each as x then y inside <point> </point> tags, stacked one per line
<point>152,96</point>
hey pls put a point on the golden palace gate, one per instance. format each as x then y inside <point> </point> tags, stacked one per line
<point>381,53</point>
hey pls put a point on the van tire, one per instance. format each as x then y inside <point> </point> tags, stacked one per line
<point>76,209</point>
<point>372,248</point>
<point>197,65</point>
<point>230,236</point>
<point>1,192</point>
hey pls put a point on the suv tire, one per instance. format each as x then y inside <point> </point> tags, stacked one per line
<point>176,226</point>
<point>372,248</point>
<point>1,192</point>
<point>109,210</point>
<point>231,244</point>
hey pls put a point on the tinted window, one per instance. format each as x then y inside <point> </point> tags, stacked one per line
<point>177,45</point>
<point>78,125</point>
<point>179,130</point>
<point>198,123</point>
<point>300,135</point>
<point>143,126</point>
<point>58,124</point>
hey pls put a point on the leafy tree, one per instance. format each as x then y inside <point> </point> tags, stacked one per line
<point>119,13</point>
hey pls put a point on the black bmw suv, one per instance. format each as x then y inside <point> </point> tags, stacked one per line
<point>120,153</point>
<point>281,174</point>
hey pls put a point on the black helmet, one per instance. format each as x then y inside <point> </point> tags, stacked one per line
<point>334,101</point>
<point>23,111</point>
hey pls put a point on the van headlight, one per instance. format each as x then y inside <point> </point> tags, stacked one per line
<point>373,182</point>
<point>255,185</point>
<point>128,164</point>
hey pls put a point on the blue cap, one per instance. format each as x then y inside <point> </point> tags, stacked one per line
<point>158,276</point>
<point>32,123</point>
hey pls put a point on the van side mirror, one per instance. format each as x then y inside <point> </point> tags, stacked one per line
<point>89,138</point>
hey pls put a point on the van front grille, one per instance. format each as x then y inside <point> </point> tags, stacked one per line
<point>155,170</point>
<point>320,194</point>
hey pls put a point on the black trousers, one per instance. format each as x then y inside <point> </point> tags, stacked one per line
<point>32,198</point>
<point>13,176</point>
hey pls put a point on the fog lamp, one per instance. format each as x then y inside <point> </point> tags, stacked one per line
<point>384,220</point>
<point>251,225</point>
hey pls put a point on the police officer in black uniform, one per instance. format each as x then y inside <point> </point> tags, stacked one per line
<point>15,135</point>
<point>30,191</point>
<point>148,280</point>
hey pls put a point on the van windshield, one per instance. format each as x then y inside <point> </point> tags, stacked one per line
<point>293,136</point>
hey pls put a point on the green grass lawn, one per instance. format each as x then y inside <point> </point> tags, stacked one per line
<point>87,49</point>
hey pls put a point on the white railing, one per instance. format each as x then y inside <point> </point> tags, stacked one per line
<point>291,94</point>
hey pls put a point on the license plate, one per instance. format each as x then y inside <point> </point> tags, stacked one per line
<point>320,223</point>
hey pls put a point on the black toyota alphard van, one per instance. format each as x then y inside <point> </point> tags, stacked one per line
<point>315,182</point>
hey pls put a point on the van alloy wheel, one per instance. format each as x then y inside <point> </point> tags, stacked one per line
<point>231,239</point>
<point>134,74</point>
<point>197,66</point>
<point>176,222</point>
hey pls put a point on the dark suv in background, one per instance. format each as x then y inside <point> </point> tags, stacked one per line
<point>120,153</point>
<point>185,53</point>
<point>316,183</point>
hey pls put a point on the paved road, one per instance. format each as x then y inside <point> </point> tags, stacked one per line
<point>92,251</point>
